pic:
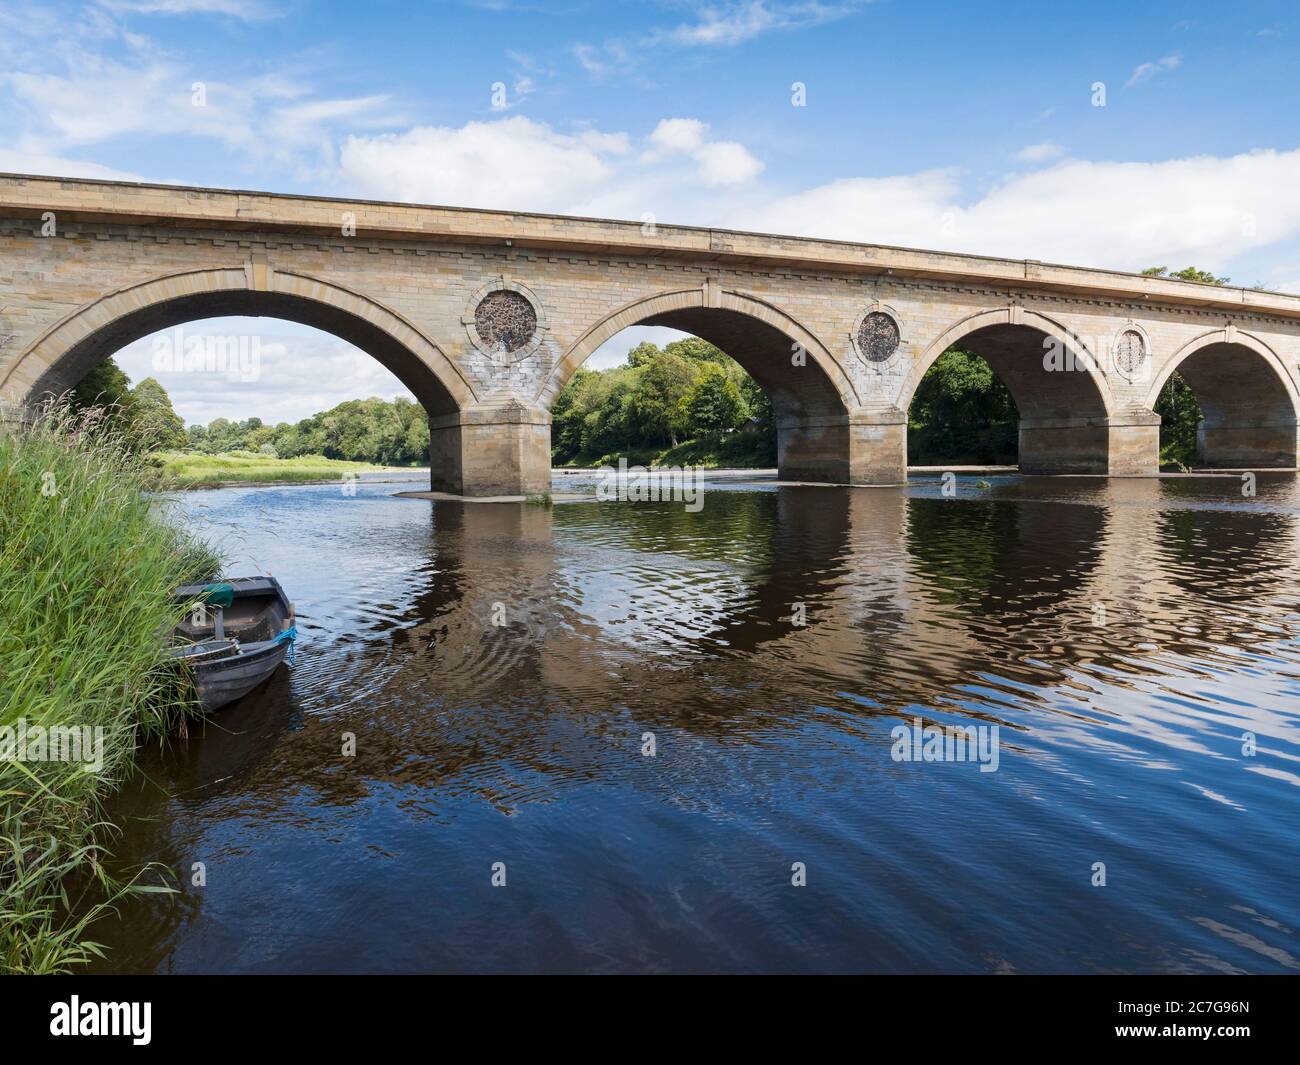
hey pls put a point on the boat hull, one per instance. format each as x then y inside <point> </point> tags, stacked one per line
<point>230,650</point>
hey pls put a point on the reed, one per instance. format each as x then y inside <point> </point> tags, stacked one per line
<point>88,562</point>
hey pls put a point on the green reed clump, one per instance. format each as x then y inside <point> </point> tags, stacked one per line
<point>88,563</point>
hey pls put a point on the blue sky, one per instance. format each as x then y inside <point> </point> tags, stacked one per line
<point>943,125</point>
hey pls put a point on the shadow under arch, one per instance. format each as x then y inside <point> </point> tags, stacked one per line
<point>1248,400</point>
<point>811,397</point>
<point>68,350</point>
<point>1064,400</point>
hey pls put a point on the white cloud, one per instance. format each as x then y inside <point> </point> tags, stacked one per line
<point>1204,209</point>
<point>244,9</point>
<point>679,134</point>
<point>104,84</point>
<point>13,161</point>
<point>586,57</point>
<point>737,22</point>
<point>727,163</point>
<point>1145,71</point>
<point>1040,153</point>
<point>517,163</point>
<point>717,162</point>
<point>511,162</point>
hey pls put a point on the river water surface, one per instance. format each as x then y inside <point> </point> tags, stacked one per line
<point>500,665</point>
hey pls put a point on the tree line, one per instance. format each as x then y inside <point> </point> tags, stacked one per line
<point>390,433</point>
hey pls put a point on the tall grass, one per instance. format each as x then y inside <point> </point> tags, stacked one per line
<point>88,562</point>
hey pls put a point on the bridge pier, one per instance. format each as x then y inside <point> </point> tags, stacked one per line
<point>1124,444</point>
<point>498,448</point>
<point>865,447</point>
<point>1247,446</point>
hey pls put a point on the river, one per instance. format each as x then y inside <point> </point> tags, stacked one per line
<point>653,724</point>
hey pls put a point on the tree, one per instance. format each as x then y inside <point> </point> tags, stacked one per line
<point>961,411</point>
<point>714,403</point>
<point>156,425</point>
<point>1180,417</point>
<point>108,388</point>
<point>657,398</point>
<point>1187,273</point>
<point>642,354</point>
<point>693,349</point>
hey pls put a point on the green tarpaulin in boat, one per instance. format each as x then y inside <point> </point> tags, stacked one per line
<point>221,595</point>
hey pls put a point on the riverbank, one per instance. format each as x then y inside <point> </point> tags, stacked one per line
<point>744,450</point>
<point>88,563</point>
<point>186,469</point>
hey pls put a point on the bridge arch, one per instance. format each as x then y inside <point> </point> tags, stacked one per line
<point>752,331</point>
<point>1065,410</point>
<point>811,399</point>
<point>60,357</point>
<point>1249,402</point>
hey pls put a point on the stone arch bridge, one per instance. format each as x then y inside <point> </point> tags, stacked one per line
<point>485,315</point>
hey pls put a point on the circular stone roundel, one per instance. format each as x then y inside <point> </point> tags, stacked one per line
<point>877,337</point>
<point>505,321</point>
<point>1130,350</point>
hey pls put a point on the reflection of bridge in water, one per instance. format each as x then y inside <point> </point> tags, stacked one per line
<point>486,315</point>
<point>656,616</point>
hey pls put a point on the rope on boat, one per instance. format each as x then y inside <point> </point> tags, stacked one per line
<point>289,636</point>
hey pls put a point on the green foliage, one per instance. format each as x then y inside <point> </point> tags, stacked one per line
<point>962,412</point>
<point>107,389</point>
<point>157,425</point>
<point>693,349</point>
<point>714,403</point>
<point>1187,273</point>
<point>88,564</point>
<point>684,400</point>
<point>1180,414</point>
<point>360,430</point>
<point>657,401</point>
<point>642,354</point>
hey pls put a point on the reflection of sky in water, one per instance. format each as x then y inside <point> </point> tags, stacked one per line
<point>1120,743</point>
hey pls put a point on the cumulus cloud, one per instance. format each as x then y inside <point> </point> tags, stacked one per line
<point>718,162</point>
<point>1203,209</point>
<point>511,162</point>
<point>522,164</point>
